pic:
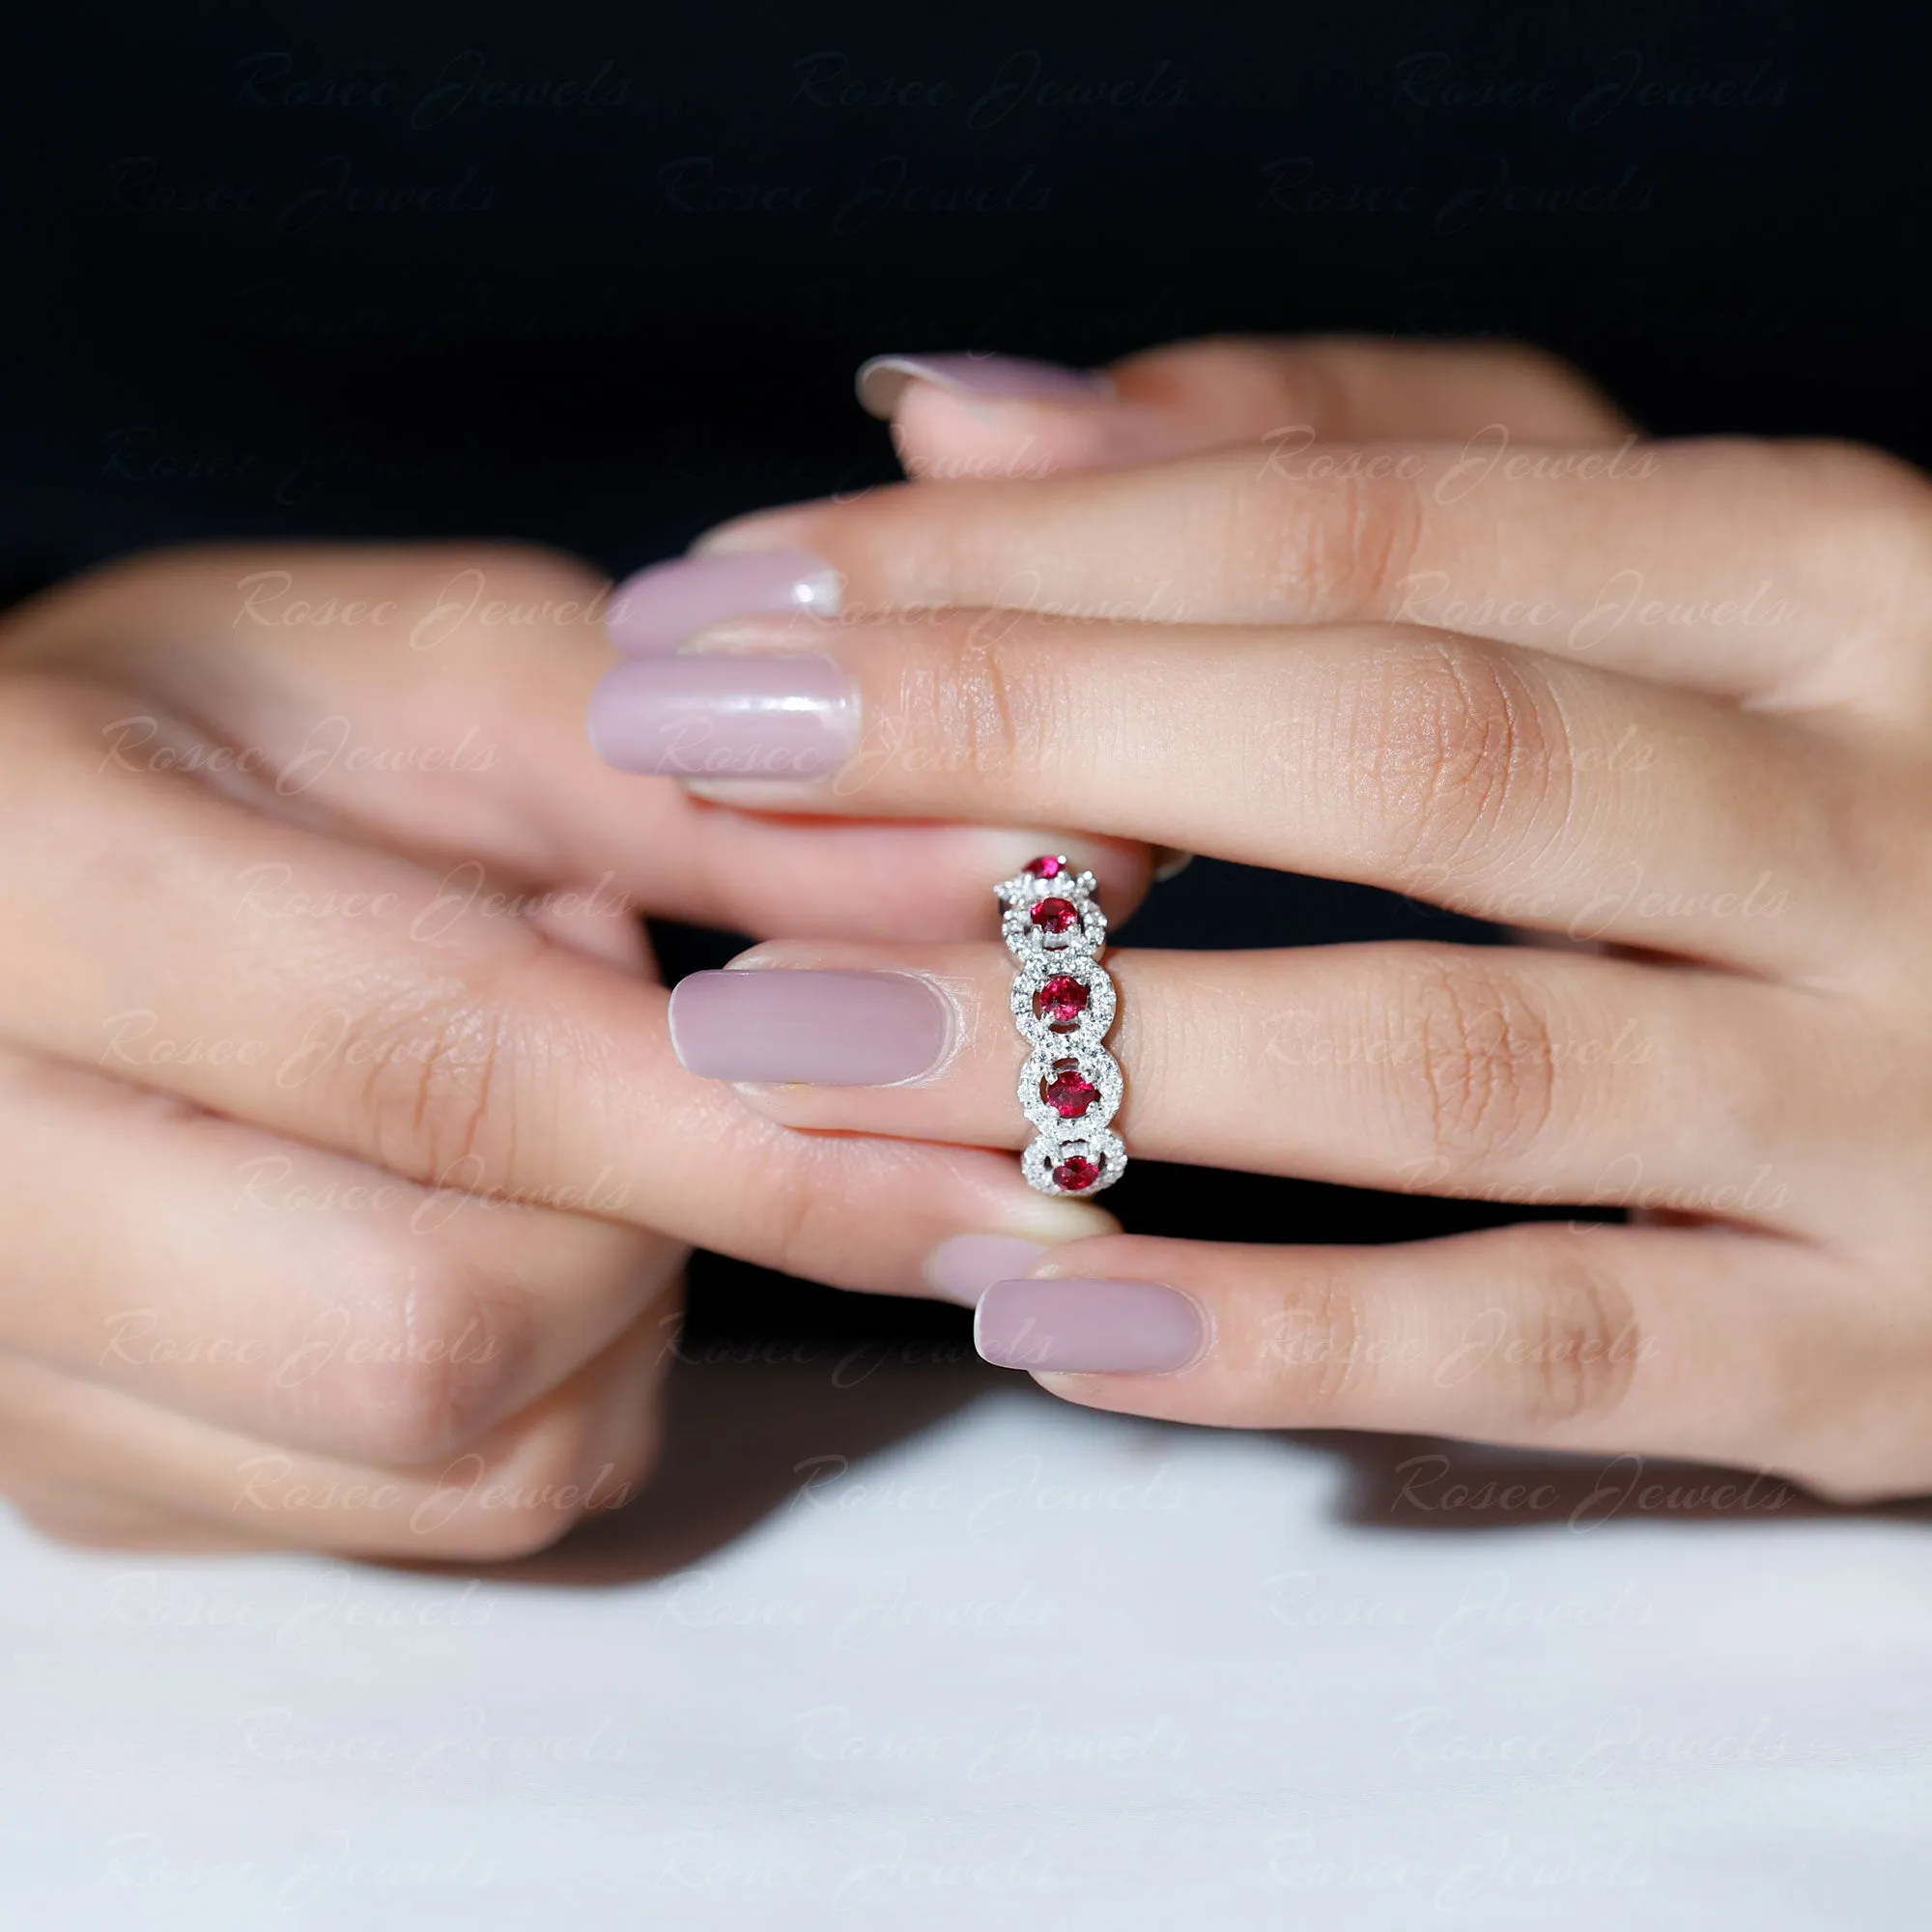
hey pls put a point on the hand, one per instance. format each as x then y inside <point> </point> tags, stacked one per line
<point>1665,701</point>
<point>346,1170</point>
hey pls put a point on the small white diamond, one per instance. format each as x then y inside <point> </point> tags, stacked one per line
<point>1076,954</point>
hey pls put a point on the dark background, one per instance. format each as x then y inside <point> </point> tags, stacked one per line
<point>601,278</point>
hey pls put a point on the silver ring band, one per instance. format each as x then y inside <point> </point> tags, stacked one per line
<point>1064,1003</point>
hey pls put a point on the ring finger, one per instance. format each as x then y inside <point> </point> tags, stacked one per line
<point>1501,1073</point>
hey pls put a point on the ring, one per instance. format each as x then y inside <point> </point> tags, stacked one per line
<point>1064,1003</point>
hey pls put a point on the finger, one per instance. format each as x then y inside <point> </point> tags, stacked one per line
<point>1773,572</point>
<point>431,699</point>
<point>1707,1344</point>
<point>1497,1073</point>
<point>959,416</point>
<point>285,1293</point>
<point>355,1011</point>
<point>1498,781</point>
<point>585,1448</point>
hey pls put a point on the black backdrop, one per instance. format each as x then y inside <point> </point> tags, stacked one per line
<point>599,277</point>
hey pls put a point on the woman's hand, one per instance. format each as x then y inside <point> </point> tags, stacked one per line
<point>1668,701</point>
<point>345,1169</point>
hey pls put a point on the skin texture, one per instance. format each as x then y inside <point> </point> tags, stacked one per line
<point>1438,624</point>
<point>346,1174</point>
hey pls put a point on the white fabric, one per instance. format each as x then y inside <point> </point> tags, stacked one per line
<point>1025,1667</point>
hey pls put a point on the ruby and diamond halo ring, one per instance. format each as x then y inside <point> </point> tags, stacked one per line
<point>1063,1005</point>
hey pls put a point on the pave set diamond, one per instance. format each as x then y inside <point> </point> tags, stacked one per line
<point>1062,1005</point>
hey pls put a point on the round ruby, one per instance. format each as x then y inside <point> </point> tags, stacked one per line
<point>1046,866</point>
<point>1070,1094</point>
<point>1055,915</point>
<point>1076,1173</point>
<point>1062,999</point>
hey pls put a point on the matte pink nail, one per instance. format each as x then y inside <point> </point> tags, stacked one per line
<point>727,715</point>
<point>1087,1328</point>
<point>658,607</point>
<point>965,1266</point>
<point>823,1029</point>
<point>986,379</point>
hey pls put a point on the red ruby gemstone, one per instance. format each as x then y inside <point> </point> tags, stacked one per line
<point>1055,915</point>
<point>1046,866</point>
<point>1076,1173</point>
<point>1062,999</point>
<point>1070,1094</point>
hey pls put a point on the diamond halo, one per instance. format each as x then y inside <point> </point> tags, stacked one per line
<point>1070,1086</point>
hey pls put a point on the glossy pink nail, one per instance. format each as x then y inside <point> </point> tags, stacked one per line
<point>658,607</point>
<point>823,1029</point>
<point>727,715</point>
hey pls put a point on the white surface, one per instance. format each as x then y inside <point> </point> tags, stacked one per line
<point>1025,1667</point>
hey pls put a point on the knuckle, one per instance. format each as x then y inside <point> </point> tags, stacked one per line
<point>1457,754</point>
<point>1474,1077</point>
<point>424,1075</point>
<point>1566,1342</point>
<point>426,1375</point>
<point>981,702</point>
<point>1361,545</point>
<point>1315,1349</point>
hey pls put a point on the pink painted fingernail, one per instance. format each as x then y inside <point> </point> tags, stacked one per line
<point>964,1267</point>
<point>727,715</point>
<point>823,1029</point>
<point>986,379</point>
<point>1087,1328</point>
<point>658,607</point>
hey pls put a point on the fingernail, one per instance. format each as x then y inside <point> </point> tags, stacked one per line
<point>1087,1328</point>
<point>1169,863</point>
<point>727,715</point>
<point>658,607</point>
<point>823,1029</point>
<point>986,379</point>
<point>964,1267</point>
